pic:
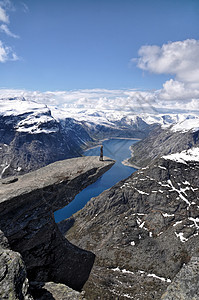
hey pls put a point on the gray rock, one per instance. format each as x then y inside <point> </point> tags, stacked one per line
<point>13,278</point>
<point>161,142</point>
<point>54,291</point>
<point>185,285</point>
<point>142,231</point>
<point>27,220</point>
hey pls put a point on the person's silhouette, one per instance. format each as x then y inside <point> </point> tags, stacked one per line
<point>101,153</point>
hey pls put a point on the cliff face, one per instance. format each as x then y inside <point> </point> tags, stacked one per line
<point>142,231</point>
<point>13,280</point>
<point>26,218</point>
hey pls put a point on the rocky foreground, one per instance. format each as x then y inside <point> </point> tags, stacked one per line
<point>143,231</point>
<point>31,246</point>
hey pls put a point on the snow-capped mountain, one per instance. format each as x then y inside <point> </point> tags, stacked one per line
<point>33,134</point>
<point>191,122</point>
<point>30,137</point>
<point>27,116</point>
<point>33,117</point>
<point>115,118</point>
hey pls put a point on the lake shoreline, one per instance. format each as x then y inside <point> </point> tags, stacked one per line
<point>117,149</point>
<point>126,162</point>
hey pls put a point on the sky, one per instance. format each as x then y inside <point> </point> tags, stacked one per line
<point>62,51</point>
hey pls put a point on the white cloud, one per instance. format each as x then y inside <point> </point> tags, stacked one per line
<point>173,96</point>
<point>178,58</point>
<point>7,54</point>
<point>3,15</point>
<point>25,7</point>
<point>7,31</point>
<point>176,90</point>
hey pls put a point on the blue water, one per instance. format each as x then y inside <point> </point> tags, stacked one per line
<point>117,149</point>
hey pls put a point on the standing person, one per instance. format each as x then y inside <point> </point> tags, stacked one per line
<point>101,153</point>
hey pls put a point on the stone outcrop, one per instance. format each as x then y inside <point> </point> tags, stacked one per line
<point>13,278</point>
<point>142,231</point>
<point>161,142</point>
<point>54,291</point>
<point>26,219</point>
<point>185,285</point>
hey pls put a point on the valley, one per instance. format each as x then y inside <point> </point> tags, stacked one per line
<point>138,228</point>
<point>116,149</point>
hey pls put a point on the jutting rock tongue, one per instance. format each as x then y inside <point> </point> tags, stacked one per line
<point>27,220</point>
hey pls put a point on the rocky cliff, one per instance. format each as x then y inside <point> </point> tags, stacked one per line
<point>13,277</point>
<point>162,142</point>
<point>142,230</point>
<point>26,219</point>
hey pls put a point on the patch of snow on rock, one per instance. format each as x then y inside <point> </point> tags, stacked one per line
<point>184,156</point>
<point>181,237</point>
<point>186,125</point>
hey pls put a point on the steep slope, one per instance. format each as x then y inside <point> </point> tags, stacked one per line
<point>162,142</point>
<point>142,230</point>
<point>31,138</point>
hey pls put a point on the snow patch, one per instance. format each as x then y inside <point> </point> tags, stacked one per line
<point>142,273</point>
<point>178,191</point>
<point>4,169</point>
<point>181,237</point>
<point>162,167</point>
<point>167,215</point>
<point>186,125</point>
<point>141,192</point>
<point>184,156</point>
<point>160,278</point>
<point>195,220</point>
<point>178,222</point>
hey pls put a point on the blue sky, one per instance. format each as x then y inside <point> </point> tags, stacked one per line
<point>89,44</point>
